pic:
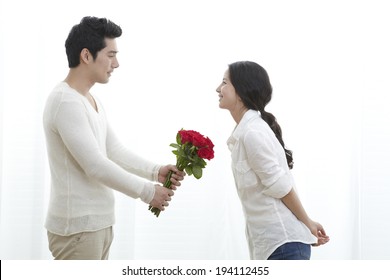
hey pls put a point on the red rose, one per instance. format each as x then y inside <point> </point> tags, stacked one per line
<point>209,143</point>
<point>185,136</point>
<point>191,148</point>
<point>198,140</point>
<point>206,153</point>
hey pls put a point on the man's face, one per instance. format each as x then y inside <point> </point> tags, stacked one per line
<point>105,62</point>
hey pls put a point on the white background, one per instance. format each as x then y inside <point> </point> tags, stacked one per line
<point>329,65</point>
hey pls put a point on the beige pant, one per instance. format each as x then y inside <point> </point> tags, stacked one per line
<point>81,246</point>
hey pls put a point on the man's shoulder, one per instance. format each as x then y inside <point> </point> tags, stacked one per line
<point>62,92</point>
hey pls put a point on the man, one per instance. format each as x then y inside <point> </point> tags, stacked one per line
<point>87,162</point>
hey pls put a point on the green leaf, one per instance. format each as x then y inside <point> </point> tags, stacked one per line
<point>188,170</point>
<point>178,140</point>
<point>175,145</point>
<point>197,171</point>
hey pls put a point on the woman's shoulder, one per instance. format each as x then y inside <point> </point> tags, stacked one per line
<point>258,130</point>
<point>257,125</point>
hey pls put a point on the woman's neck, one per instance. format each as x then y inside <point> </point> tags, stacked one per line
<point>238,114</point>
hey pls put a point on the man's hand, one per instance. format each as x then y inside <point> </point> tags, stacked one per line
<point>176,177</point>
<point>161,197</point>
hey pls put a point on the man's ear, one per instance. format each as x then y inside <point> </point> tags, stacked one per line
<point>85,56</point>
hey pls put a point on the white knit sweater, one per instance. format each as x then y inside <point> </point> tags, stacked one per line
<point>87,162</point>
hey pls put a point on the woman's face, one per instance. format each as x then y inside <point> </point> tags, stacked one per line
<point>228,98</point>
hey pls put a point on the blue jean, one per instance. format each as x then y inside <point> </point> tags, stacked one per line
<point>292,251</point>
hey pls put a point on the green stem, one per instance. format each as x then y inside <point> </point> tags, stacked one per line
<point>168,182</point>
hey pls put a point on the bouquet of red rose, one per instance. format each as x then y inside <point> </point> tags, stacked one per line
<point>191,150</point>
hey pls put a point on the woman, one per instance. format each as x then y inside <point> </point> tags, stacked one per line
<point>277,226</point>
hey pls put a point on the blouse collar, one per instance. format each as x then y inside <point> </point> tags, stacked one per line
<point>241,126</point>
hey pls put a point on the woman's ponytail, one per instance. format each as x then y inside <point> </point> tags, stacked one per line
<point>271,121</point>
<point>253,86</point>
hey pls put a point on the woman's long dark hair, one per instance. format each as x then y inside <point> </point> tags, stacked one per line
<point>253,86</point>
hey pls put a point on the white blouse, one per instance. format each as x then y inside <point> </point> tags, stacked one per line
<point>87,162</point>
<point>262,178</point>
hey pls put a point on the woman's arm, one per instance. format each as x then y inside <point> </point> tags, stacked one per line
<point>292,201</point>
